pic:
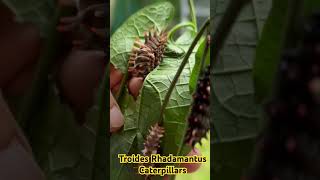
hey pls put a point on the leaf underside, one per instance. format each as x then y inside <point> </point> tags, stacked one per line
<point>236,117</point>
<point>144,112</point>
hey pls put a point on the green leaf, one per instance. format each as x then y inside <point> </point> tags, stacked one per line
<point>234,110</point>
<point>231,159</point>
<point>235,114</point>
<point>269,50</point>
<point>156,16</point>
<point>196,69</point>
<point>63,149</point>
<point>141,114</point>
<point>41,13</point>
<point>145,112</point>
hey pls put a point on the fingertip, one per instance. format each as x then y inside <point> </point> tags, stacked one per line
<point>192,167</point>
<point>115,76</point>
<point>116,119</point>
<point>166,177</point>
<point>135,84</point>
<point>115,88</point>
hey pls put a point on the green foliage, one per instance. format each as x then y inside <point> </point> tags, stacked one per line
<point>63,149</point>
<point>145,111</point>
<point>236,117</point>
<point>156,16</point>
<point>197,67</point>
<point>235,113</point>
<point>269,50</point>
<point>232,158</point>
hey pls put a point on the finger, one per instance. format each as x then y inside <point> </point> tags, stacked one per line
<point>135,84</point>
<point>115,89</point>
<point>17,163</point>
<point>19,48</point>
<point>192,167</point>
<point>115,76</point>
<point>166,178</point>
<point>9,128</point>
<point>22,82</point>
<point>116,117</point>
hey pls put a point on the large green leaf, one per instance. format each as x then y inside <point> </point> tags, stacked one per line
<point>141,114</point>
<point>235,113</point>
<point>236,117</point>
<point>41,13</point>
<point>155,16</point>
<point>233,159</point>
<point>269,50</point>
<point>63,148</point>
<point>145,112</point>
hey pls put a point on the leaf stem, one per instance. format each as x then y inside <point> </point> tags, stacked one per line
<point>224,27</point>
<point>179,26</point>
<point>181,67</point>
<point>101,150</point>
<point>205,54</point>
<point>202,65</point>
<point>193,14</point>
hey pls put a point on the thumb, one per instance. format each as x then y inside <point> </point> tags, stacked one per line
<point>116,117</point>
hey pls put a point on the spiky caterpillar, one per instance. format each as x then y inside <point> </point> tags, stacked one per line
<point>289,149</point>
<point>198,120</point>
<point>147,56</point>
<point>152,143</point>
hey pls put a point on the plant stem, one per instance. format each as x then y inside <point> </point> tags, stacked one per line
<point>177,27</point>
<point>205,54</point>
<point>193,14</point>
<point>101,146</point>
<point>181,67</point>
<point>224,27</point>
<point>202,64</point>
<point>34,98</point>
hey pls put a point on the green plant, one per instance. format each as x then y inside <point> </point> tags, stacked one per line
<point>244,66</point>
<point>47,113</point>
<point>166,87</point>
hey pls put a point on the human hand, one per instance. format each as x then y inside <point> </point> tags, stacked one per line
<point>135,84</point>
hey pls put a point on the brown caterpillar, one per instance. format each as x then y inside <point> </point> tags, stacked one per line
<point>147,56</point>
<point>198,121</point>
<point>152,143</point>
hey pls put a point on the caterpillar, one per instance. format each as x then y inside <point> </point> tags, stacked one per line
<point>289,148</point>
<point>198,120</point>
<point>152,143</point>
<point>146,56</point>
